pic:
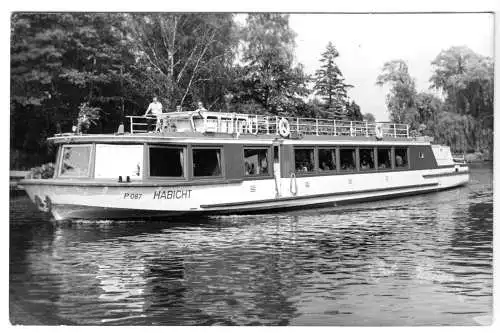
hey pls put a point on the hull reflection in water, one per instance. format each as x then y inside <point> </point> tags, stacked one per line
<point>424,260</point>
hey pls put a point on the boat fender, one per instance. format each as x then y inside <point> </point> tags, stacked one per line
<point>48,204</point>
<point>44,206</point>
<point>284,127</point>
<point>293,184</point>
<point>379,132</point>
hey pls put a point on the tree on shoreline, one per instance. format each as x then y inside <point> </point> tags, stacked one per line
<point>182,57</point>
<point>464,119</point>
<point>60,62</point>
<point>329,82</point>
<point>401,98</point>
<point>267,80</point>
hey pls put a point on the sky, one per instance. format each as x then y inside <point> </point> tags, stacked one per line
<point>366,41</point>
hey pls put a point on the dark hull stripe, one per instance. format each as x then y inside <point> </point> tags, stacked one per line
<point>331,204</point>
<point>315,196</point>
<point>446,174</point>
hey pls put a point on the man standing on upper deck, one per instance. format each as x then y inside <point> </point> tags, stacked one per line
<point>155,107</point>
<point>156,110</point>
<point>201,107</point>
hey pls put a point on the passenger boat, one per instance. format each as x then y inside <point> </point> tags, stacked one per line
<point>200,162</point>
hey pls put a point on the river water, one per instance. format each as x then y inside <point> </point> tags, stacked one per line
<point>420,260</point>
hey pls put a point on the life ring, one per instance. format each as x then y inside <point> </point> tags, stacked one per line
<point>379,131</point>
<point>284,127</point>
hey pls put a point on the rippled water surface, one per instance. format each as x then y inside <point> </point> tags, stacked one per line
<point>420,260</point>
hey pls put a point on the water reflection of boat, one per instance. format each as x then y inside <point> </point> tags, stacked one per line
<point>213,163</point>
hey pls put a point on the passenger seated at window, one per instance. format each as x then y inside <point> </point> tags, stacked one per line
<point>347,166</point>
<point>247,168</point>
<point>399,161</point>
<point>365,165</point>
<point>302,167</point>
<point>382,166</point>
<point>263,166</point>
<point>324,166</point>
<point>252,169</point>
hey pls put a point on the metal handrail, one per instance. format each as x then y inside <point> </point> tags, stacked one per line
<point>217,122</point>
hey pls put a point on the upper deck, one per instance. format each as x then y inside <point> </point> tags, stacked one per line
<point>209,126</point>
<point>232,123</point>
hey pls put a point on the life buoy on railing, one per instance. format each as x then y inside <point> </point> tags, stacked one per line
<point>293,184</point>
<point>284,127</point>
<point>379,131</point>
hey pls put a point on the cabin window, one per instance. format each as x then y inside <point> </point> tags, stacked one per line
<point>112,161</point>
<point>384,158</point>
<point>304,160</point>
<point>327,159</point>
<point>256,162</point>
<point>207,162</point>
<point>366,158</point>
<point>401,157</point>
<point>75,161</point>
<point>166,162</point>
<point>348,159</point>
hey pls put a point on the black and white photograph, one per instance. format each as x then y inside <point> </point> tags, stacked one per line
<point>215,168</point>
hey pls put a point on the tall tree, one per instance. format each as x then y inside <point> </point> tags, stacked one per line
<point>401,97</point>
<point>183,57</point>
<point>466,79</point>
<point>62,64</point>
<point>329,81</point>
<point>267,74</point>
<point>369,117</point>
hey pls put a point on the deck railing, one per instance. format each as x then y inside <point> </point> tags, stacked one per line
<point>216,122</point>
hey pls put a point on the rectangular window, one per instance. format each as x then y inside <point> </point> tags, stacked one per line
<point>327,159</point>
<point>366,158</point>
<point>384,158</point>
<point>112,161</point>
<point>207,162</point>
<point>166,162</point>
<point>256,162</point>
<point>75,161</point>
<point>304,160</point>
<point>347,159</point>
<point>401,157</point>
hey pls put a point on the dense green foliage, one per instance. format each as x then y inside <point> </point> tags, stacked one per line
<point>463,117</point>
<point>266,78</point>
<point>91,70</point>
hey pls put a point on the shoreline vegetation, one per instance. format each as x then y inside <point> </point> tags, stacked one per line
<point>93,69</point>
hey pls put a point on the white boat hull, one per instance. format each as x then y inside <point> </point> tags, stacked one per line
<point>136,200</point>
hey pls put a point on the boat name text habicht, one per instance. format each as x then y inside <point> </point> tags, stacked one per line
<point>172,194</point>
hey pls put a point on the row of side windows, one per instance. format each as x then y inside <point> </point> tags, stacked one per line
<point>169,161</point>
<point>347,159</point>
<point>207,161</point>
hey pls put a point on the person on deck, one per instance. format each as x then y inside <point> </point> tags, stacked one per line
<point>156,110</point>
<point>201,107</point>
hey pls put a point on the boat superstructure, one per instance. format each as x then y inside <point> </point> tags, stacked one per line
<point>200,162</point>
